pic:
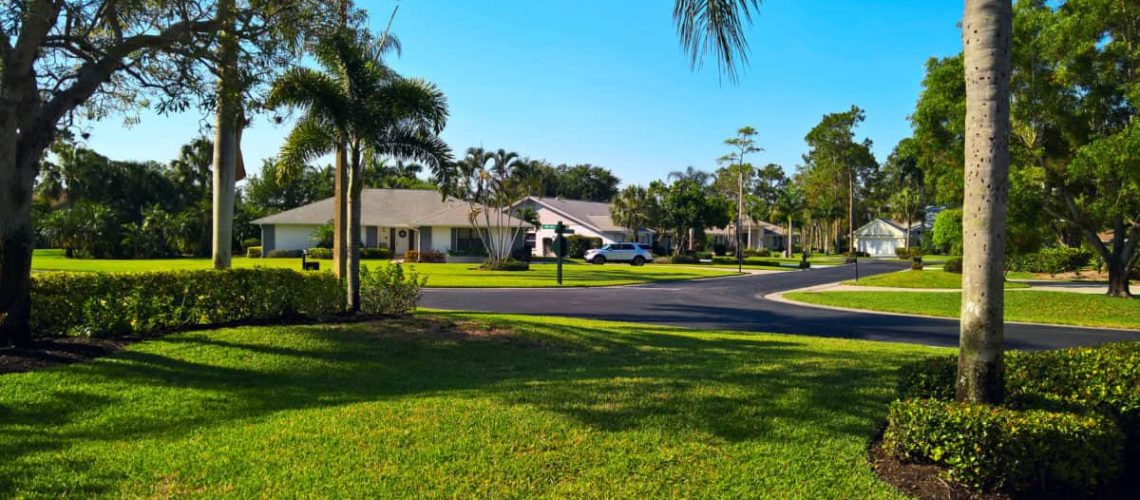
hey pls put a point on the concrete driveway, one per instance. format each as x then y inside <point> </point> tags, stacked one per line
<point>737,303</point>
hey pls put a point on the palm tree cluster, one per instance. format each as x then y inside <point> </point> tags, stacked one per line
<point>359,106</point>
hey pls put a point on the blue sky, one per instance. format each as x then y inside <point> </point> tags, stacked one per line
<point>606,82</point>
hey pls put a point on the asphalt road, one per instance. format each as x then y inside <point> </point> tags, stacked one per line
<point>737,303</point>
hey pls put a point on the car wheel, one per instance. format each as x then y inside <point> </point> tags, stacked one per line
<point>638,261</point>
<point>599,260</point>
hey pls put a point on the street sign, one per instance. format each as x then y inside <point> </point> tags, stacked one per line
<point>550,226</point>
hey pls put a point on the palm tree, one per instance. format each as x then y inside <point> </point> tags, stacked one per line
<point>700,177</point>
<point>358,103</point>
<point>987,30</point>
<point>631,209</point>
<point>789,204</point>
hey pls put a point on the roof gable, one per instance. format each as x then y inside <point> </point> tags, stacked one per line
<point>880,228</point>
<point>386,207</point>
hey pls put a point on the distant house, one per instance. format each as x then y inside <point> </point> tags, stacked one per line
<point>881,237</point>
<point>586,218</point>
<point>755,234</point>
<point>400,219</point>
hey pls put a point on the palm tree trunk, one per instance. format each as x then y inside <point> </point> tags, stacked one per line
<point>340,214</point>
<point>225,140</point>
<point>354,212</point>
<point>987,29</point>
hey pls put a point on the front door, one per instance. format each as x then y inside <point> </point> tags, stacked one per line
<point>403,240</point>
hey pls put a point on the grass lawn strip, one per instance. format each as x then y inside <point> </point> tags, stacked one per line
<point>439,275</point>
<point>1060,308</point>
<point>918,279</point>
<point>455,405</point>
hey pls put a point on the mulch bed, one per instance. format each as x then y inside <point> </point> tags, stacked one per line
<point>46,353</point>
<point>921,481</point>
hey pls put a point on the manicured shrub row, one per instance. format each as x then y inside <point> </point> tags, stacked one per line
<point>376,253</point>
<point>319,253</point>
<point>428,257</point>
<point>1051,260</point>
<point>748,261</point>
<point>507,265</point>
<point>284,254</point>
<point>683,259</point>
<point>996,448</point>
<point>752,252</point>
<point>118,304</point>
<point>1091,381</point>
<point>253,252</point>
<point>953,265</point>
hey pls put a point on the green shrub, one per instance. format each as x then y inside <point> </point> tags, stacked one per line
<point>916,265</point>
<point>953,265</point>
<point>902,253</point>
<point>115,304</point>
<point>253,252</point>
<point>388,291</point>
<point>752,252</point>
<point>748,261</point>
<point>477,251</point>
<point>250,242</point>
<point>946,234</point>
<point>1103,379</point>
<point>506,265</point>
<point>704,255</point>
<point>284,254</point>
<point>720,249</point>
<point>995,448</point>
<point>319,253</point>
<point>578,244</point>
<point>382,253</point>
<point>1051,260</point>
<point>426,257</point>
<point>684,259</point>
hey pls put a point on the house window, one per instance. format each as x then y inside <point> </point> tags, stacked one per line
<point>467,239</point>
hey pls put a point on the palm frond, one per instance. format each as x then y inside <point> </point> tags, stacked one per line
<point>715,26</point>
<point>310,139</point>
<point>312,91</point>
<point>410,100</point>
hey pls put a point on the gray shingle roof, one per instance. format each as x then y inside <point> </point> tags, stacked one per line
<point>388,208</point>
<point>593,214</point>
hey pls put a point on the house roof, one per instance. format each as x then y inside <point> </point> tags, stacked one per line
<point>388,208</point>
<point>594,215</point>
<point>754,224</point>
<point>881,227</point>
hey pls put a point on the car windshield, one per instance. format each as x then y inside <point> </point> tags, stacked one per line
<point>607,247</point>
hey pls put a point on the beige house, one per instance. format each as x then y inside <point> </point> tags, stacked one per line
<point>755,235</point>
<point>586,218</point>
<point>400,219</point>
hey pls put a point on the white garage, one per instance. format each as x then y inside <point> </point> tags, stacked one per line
<point>880,237</point>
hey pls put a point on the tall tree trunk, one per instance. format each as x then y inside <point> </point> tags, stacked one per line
<point>354,213</point>
<point>987,30</point>
<point>340,215</point>
<point>850,211</point>
<point>15,278</point>
<point>791,239</point>
<point>225,140</point>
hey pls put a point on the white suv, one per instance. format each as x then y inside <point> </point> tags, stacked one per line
<point>634,253</point>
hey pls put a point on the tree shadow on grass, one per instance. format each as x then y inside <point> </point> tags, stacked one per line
<point>609,377</point>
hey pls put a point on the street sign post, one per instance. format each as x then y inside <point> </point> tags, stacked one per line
<point>560,242</point>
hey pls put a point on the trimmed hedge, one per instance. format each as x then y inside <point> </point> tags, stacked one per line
<point>953,265</point>
<point>320,253</point>
<point>284,254</point>
<point>507,265</point>
<point>684,259</point>
<point>995,448</point>
<point>747,261</point>
<point>752,252</point>
<point>253,252</point>
<point>902,253</point>
<point>376,253</point>
<point>428,257</point>
<point>119,304</point>
<point>1051,260</point>
<point>1103,380</point>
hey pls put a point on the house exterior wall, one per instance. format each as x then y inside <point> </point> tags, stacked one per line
<point>441,238</point>
<point>547,216</point>
<point>293,236</point>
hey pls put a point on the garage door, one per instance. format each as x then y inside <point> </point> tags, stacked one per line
<point>878,246</point>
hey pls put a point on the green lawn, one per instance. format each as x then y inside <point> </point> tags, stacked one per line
<point>933,278</point>
<point>501,407</point>
<point>1023,305</point>
<point>439,275</point>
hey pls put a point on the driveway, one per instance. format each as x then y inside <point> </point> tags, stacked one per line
<point>737,303</point>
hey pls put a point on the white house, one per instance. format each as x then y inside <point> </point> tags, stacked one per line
<point>400,219</point>
<point>586,218</point>
<point>881,237</point>
<point>755,234</point>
